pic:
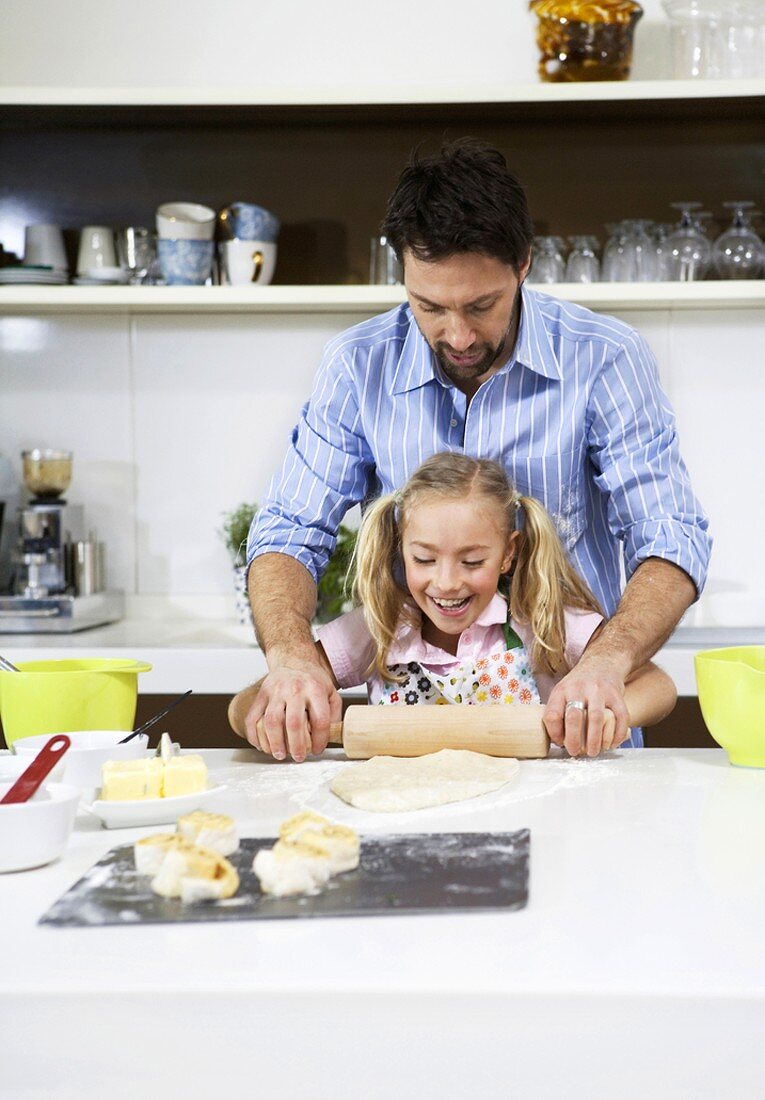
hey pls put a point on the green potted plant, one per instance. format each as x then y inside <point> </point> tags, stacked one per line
<point>234,531</point>
<point>333,595</point>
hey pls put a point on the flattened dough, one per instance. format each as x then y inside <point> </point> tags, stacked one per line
<point>387,784</point>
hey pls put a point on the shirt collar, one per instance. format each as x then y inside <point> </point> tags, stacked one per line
<point>534,349</point>
<point>415,365</point>
<point>409,644</point>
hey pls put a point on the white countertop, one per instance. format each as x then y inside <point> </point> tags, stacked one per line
<point>196,645</point>
<point>637,968</point>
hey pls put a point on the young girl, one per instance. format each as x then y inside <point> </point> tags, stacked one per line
<point>466,597</point>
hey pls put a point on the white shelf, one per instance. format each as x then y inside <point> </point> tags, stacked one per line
<point>348,95</point>
<point>356,299</point>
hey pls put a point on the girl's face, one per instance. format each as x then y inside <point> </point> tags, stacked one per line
<point>454,552</point>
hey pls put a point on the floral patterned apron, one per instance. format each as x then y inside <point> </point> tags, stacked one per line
<point>502,677</point>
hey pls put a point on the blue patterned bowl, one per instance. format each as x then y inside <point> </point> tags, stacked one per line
<point>185,263</point>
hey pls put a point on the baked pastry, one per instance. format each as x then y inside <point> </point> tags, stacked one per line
<point>291,868</point>
<point>215,831</point>
<point>195,874</point>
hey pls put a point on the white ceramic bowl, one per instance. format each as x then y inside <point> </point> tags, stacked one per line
<point>185,221</point>
<point>89,750</point>
<point>34,833</point>
<point>11,768</point>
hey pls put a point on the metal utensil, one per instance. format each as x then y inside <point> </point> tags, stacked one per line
<point>156,718</point>
<point>6,664</point>
<point>45,761</point>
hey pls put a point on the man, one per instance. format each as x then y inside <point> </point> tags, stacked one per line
<point>567,400</point>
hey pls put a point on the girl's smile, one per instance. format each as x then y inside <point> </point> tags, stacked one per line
<point>454,553</point>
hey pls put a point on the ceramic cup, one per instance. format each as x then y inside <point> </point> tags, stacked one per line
<point>185,262</point>
<point>248,222</point>
<point>96,248</point>
<point>247,262</point>
<point>185,221</point>
<point>44,245</point>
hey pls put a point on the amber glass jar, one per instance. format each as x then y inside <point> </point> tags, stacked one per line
<point>585,39</point>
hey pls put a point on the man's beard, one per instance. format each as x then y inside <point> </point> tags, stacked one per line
<point>489,355</point>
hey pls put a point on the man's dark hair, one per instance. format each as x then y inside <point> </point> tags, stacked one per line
<point>462,199</point>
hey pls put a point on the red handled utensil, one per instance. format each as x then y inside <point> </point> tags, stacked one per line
<point>44,763</point>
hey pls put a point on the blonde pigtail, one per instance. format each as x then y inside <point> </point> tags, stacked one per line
<point>376,562</point>
<point>543,585</point>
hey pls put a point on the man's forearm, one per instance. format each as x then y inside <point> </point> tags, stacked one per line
<point>655,599</point>
<point>283,598</point>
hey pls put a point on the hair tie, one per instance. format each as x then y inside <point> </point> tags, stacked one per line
<point>398,498</point>
<point>517,499</point>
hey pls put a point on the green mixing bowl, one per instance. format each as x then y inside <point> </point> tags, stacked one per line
<point>731,686</point>
<point>61,696</point>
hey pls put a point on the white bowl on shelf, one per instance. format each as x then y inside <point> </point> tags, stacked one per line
<point>34,833</point>
<point>90,749</point>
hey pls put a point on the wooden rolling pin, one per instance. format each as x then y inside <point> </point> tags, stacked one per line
<point>496,729</point>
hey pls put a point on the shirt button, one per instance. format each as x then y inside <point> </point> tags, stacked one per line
<point>468,637</point>
<point>453,423</point>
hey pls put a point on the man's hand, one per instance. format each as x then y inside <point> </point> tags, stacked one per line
<point>602,723</point>
<point>292,712</point>
<point>651,606</point>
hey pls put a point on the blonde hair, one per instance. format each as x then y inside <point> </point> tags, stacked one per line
<point>542,581</point>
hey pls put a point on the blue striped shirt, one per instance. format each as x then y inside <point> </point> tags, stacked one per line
<point>577,416</point>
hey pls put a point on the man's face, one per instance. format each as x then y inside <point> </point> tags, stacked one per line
<point>467,307</point>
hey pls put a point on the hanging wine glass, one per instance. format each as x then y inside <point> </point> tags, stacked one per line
<point>739,253</point>
<point>583,265</point>
<point>547,265</point>
<point>689,250</point>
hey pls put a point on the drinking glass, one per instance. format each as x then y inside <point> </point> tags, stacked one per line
<point>384,268</point>
<point>583,265</point>
<point>617,257</point>
<point>641,250</point>
<point>660,233</point>
<point>739,253</point>
<point>547,265</point>
<point>136,249</point>
<point>689,250</point>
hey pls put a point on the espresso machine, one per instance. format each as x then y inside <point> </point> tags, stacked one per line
<point>58,580</point>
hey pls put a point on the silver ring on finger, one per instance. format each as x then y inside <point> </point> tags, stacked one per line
<point>576,704</point>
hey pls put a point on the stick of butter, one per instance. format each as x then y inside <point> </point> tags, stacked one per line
<point>131,780</point>
<point>185,775</point>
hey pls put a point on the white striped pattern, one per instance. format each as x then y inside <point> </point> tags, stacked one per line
<point>577,416</point>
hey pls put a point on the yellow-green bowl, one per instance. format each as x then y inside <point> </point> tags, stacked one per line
<point>731,686</point>
<point>61,696</point>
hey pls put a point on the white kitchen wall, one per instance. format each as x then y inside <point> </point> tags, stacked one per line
<point>299,43</point>
<point>174,419</point>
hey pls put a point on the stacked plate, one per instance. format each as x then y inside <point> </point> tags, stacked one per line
<point>102,276</point>
<point>26,275</point>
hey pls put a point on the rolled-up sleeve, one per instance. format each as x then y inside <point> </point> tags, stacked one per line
<point>325,472</point>
<point>633,445</point>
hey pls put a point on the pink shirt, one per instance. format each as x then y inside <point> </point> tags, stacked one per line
<point>350,649</point>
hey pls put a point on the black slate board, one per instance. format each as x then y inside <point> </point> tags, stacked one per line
<point>414,873</point>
